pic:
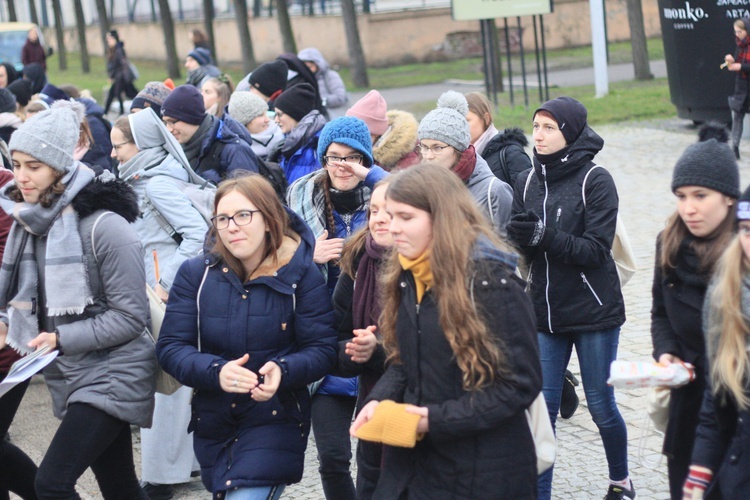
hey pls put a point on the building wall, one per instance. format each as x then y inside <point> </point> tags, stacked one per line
<point>387,38</point>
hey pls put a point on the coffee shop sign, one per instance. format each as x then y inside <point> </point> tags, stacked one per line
<point>688,13</point>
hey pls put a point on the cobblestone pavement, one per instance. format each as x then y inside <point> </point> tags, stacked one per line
<point>640,157</point>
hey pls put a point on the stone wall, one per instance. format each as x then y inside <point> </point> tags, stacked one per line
<point>387,38</point>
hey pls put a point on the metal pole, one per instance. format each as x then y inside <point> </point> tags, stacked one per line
<point>598,43</point>
<point>538,61</point>
<point>507,56</point>
<point>544,59</point>
<point>523,62</point>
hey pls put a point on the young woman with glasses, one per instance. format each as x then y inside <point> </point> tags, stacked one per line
<point>334,202</point>
<point>459,332</point>
<point>248,326</point>
<point>445,140</point>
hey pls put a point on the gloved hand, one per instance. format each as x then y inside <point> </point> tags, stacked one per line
<point>696,483</point>
<point>526,229</point>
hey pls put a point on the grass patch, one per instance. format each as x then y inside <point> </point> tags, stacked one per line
<point>626,101</point>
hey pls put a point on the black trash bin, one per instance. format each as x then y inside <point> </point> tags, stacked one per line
<point>696,37</point>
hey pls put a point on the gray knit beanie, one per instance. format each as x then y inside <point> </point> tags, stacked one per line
<point>448,122</point>
<point>708,164</point>
<point>51,135</point>
<point>246,106</point>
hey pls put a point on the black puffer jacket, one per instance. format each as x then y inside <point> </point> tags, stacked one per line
<point>506,156</point>
<point>479,445</point>
<point>574,283</point>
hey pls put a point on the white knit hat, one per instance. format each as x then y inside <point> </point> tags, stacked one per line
<point>246,106</point>
<point>51,135</point>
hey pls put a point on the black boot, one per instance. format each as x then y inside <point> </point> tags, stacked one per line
<point>736,150</point>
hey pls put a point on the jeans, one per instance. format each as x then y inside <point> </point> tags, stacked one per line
<point>596,351</point>
<point>331,419</point>
<point>88,437</point>
<point>18,470</point>
<point>256,493</point>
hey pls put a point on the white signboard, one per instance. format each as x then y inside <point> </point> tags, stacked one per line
<point>470,10</point>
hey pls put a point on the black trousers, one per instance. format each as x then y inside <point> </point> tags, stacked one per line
<point>18,470</point>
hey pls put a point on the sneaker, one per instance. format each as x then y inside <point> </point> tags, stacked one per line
<point>616,492</point>
<point>158,491</point>
<point>569,400</point>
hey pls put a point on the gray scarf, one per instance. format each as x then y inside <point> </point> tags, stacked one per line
<point>65,282</point>
<point>143,160</point>
<point>192,147</point>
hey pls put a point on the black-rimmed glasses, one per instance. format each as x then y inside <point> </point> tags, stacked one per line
<point>241,218</point>
<point>351,158</point>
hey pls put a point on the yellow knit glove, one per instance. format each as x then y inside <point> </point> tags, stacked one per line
<point>391,424</point>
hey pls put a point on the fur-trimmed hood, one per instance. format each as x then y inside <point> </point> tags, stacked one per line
<point>398,141</point>
<point>513,135</point>
<point>114,195</point>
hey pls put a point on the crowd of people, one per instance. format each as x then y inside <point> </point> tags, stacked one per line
<point>415,284</point>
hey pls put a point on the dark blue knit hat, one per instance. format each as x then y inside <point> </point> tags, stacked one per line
<point>203,56</point>
<point>50,94</point>
<point>185,103</point>
<point>349,131</point>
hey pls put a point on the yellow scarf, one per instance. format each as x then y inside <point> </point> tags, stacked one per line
<point>421,270</point>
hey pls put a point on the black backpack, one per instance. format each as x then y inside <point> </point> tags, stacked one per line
<point>272,171</point>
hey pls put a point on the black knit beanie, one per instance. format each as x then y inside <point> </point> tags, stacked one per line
<point>22,90</point>
<point>569,114</point>
<point>708,164</point>
<point>7,101</point>
<point>185,103</point>
<point>269,78</point>
<point>297,101</point>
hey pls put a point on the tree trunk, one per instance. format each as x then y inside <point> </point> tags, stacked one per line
<point>208,25</point>
<point>638,41</point>
<point>101,10</point>
<point>285,26</point>
<point>356,55</point>
<point>59,35</point>
<point>167,26</point>
<point>246,43</point>
<point>32,12</point>
<point>81,24</point>
<point>12,17</point>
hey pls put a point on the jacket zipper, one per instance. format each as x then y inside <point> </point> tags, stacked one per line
<point>557,217</point>
<point>546,259</point>
<point>583,277</point>
<point>419,356</point>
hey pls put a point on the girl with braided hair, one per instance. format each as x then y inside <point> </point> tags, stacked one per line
<point>334,202</point>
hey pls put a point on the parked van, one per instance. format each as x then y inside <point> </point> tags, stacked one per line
<point>12,38</point>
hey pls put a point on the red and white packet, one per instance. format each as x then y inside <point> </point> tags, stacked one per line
<point>637,374</point>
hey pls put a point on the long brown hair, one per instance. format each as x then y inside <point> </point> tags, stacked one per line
<point>708,249</point>
<point>259,191</point>
<point>730,368</point>
<point>456,226</point>
<point>355,245</point>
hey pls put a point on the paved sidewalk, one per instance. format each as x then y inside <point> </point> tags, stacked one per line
<point>640,157</point>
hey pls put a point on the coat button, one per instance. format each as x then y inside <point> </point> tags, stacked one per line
<point>234,405</point>
<point>244,296</point>
<point>484,283</point>
<point>274,412</point>
<point>403,284</point>
<point>219,495</point>
<point>226,270</point>
<point>229,481</point>
<point>503,281</point>
<point>294,286</point>
<point>733,459</point>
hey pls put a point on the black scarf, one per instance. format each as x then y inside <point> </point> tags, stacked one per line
<point>347,202</point>
<point>192,147</point>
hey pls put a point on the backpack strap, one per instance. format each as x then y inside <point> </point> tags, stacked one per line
<point>161,220</point>
<point>198,305</point>
<point>93,231</point>
<point>583,185</point>
<point>489,199</point>
<point>528,181</point>
<point>504,163</point>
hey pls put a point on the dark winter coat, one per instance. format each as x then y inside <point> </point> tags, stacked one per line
<point>224,149</point>
<point>99,153</point>
<point>574,283</point>
<point>722,441</point>
<point>108,359</point>
<point>739,100</point>
<point>676,328</point>
<point>118,68</point>
<point>33,52</point>
<point>282,314</point>
<point>479,445</point>
<point>506,156</point>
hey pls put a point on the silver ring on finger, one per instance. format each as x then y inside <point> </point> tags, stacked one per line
<point>236,383</point>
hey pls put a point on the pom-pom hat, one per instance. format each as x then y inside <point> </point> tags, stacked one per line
<point>448,122</point>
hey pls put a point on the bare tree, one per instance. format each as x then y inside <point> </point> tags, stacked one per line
<point>167,26</point>
<point>285,26</point>
<point>12,17</point>
<point>101,10</point>
<point>356,54</point>
<point>61,55</point>
<point>638,40</point>
<point>81,25</point>
<point>32,12</point>
<point>246,43</point>
<point>208,25</point>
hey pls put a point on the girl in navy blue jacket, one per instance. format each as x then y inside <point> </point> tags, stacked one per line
<point>248,327</point>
